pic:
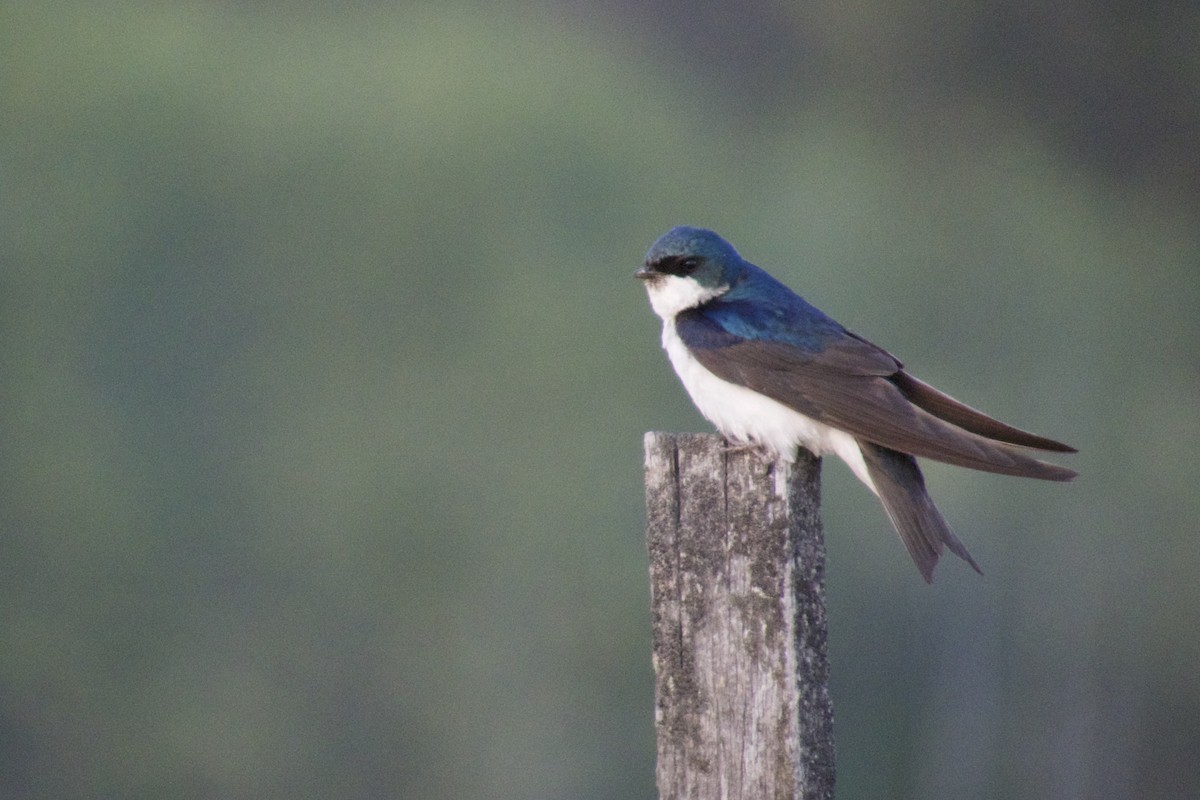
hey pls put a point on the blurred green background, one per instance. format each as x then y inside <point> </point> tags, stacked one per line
<point>325,375</point>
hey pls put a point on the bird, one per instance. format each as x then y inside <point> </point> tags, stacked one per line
<point>771,371</point>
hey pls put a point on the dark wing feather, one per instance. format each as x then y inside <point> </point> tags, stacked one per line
<point>945,407</point>
<point>852,385</point>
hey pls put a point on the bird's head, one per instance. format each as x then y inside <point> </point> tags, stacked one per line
<point>687,267</point>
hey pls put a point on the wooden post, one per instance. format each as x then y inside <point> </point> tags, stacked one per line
<point>737,563</point>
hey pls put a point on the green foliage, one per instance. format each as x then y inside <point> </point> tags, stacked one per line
<point>325,376</point>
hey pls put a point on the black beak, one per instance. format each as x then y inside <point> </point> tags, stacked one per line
<point>644,273</point>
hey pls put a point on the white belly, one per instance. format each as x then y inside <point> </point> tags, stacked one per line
<point>746,416</point>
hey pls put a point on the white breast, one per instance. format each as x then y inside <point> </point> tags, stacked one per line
<point>743,415</point>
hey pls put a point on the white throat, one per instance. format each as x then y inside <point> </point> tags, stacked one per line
<point>670,294</point>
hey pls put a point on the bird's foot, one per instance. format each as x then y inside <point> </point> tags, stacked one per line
<point>732,447</point>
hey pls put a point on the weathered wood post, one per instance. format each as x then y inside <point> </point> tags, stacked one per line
<point>737,563</point>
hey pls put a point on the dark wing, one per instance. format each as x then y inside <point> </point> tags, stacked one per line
<point>945,407</point>
<point>854,386</point>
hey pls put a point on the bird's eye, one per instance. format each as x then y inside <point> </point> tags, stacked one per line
<point>688,265</point>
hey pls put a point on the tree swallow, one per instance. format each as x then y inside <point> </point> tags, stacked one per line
<point>770,370</point>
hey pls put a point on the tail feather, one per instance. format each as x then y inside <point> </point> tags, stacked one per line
<point>901,488</point>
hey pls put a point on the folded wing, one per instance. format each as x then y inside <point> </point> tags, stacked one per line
<point>855,386</point>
